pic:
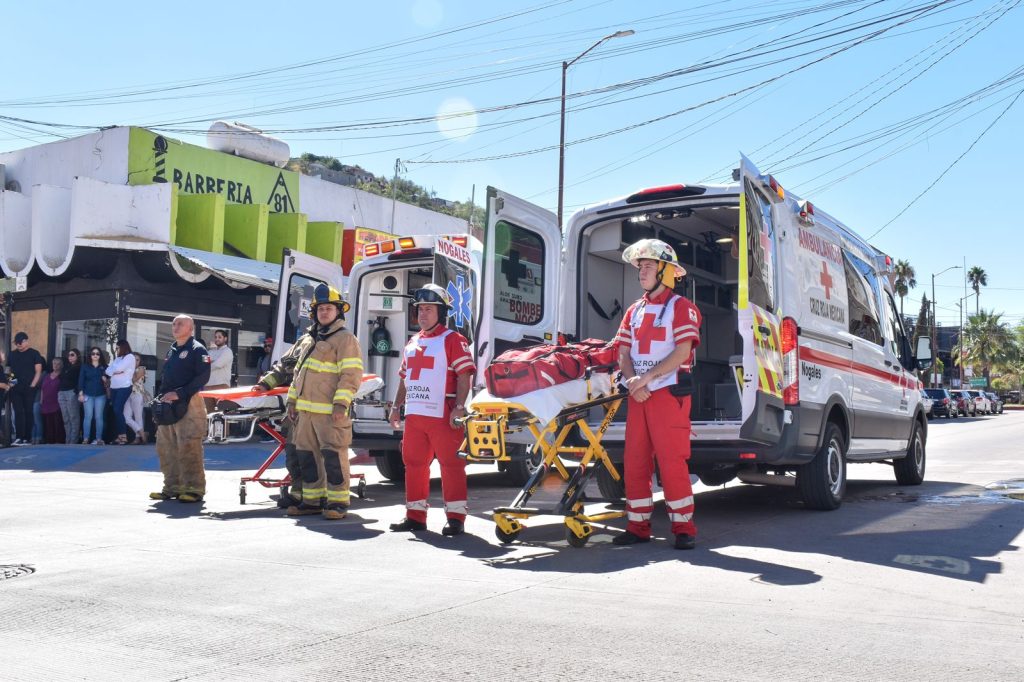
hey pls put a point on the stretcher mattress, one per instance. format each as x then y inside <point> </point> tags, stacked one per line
<point>247,399</point>
<point>546,403</point>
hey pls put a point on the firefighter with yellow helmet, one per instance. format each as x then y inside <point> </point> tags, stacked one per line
<point>656,340</point>
<point>327,376</point>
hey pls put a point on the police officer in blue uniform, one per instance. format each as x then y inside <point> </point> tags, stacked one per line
<point>180,444</point>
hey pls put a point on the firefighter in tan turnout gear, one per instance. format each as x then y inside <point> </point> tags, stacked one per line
<point>327,377</point>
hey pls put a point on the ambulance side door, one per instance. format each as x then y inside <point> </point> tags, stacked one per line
<point>757,310</point>
<point>300,275</point>
<point>522,254</point>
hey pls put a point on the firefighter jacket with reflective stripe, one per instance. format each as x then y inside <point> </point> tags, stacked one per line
<point>330,374</point>
<point>281,372</point>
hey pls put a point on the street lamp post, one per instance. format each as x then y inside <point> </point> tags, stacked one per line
<point>960,336</point>
<point>935,344</point>
<point>561,137</point>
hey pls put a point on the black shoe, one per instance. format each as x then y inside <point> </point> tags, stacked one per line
<point>628,538</point>
<point>287,500</point>
<point>684,541</point>
<point>453,527</point>
<point>408,525</point>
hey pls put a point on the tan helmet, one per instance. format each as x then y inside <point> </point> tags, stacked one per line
<point>656,249</point>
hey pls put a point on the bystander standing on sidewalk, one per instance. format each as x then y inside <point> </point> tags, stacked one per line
<point>92,392</point>
<point>67,397</point>
<point>221,359</point>
<point>49,405</point>
<point>27,365</point>
<point>135,408</point>
<point>4,386</point>
<point>121,371</point>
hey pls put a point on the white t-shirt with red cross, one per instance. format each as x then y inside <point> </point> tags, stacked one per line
<point>653,327</point>
<point>430,364</point>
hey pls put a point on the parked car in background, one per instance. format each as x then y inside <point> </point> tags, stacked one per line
<point>1012,397</point>
<point>965,403</point>
<point>997,403</point>
<point>943,403</point>
<point>982,405</point>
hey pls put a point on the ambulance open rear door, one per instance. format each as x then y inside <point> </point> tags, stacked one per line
<point>522,251</point>
<point>759,320</point>
<point>300,275</point>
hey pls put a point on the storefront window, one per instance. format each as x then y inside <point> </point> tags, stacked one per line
<point>84,334</point>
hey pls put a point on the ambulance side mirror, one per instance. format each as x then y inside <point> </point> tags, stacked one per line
<point>924,352</point>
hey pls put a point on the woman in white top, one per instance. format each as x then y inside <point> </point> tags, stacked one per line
<point>121,371</point>
<point>134,409</point>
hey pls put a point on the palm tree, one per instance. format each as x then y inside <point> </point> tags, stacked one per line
<point>905,280</point>
<point>986,342</point>
<point>978,279</point>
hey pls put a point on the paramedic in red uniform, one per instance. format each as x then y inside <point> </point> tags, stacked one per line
<point>435,378</point>
<point>656,339</point>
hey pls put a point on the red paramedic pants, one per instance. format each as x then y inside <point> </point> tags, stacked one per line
<point>424,438</point>
<point>658,428</point>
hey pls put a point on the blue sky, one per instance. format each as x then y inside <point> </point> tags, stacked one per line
<point>860,124</point>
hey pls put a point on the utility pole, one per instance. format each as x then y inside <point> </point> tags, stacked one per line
<point>935,342</point>
<point>394,190</point>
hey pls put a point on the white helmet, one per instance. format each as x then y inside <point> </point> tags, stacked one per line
<point>655,249</point>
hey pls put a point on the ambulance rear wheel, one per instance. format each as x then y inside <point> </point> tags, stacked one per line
<point>609,487</point>
<point>522,467</point>
<point>822,481</point>
<point>389,464</point>
<point>910,469</point>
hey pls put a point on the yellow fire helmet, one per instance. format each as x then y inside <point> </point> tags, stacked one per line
<point>655,249</point>
<point>328,294</point>
<point>433,294</point>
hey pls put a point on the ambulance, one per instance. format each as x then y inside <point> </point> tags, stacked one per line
<point>804,364</point>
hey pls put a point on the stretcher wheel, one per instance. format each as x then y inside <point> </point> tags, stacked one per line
<point>241,494</point>
<point>361,489</point>
<point>505,538</point>
<point>575,540</point>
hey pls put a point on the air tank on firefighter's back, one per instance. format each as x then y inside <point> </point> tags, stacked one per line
<point>247,142</point>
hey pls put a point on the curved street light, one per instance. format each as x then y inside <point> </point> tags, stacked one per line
<point>935,345</point>
<point>561,138</point>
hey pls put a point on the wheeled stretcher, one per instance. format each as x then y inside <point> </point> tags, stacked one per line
<point>549,415</point>
<point>247,410</point>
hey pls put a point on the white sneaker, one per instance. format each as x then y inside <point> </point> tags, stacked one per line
<point>18,441</point>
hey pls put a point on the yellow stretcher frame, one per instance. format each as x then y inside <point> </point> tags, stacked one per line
<point>486,428</point>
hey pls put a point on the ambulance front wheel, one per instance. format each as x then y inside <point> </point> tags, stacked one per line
<point>910,469</point>
<point>822,481</point>
<point>525,462</point>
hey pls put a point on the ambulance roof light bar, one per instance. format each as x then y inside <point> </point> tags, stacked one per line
<point>806,211</point>
<point>665,192</point>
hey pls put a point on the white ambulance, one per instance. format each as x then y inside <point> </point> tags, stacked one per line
<point>804,364</point>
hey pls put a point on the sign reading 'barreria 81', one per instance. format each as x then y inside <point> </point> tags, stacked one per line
<point>153,158</point>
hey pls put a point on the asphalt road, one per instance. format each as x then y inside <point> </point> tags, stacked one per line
<point>900,583</point>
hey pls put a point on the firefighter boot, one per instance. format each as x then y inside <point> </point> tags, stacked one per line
<point>334,512</point>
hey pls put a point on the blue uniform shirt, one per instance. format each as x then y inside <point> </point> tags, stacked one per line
<point>186,369</point>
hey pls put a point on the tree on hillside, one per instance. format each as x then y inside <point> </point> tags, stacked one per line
<point>978,278</point>
<point>986,342</point>
<point>905,280</point>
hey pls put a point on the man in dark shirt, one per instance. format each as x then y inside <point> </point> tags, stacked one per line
<point>180,445</point>
<point>27,365</point>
